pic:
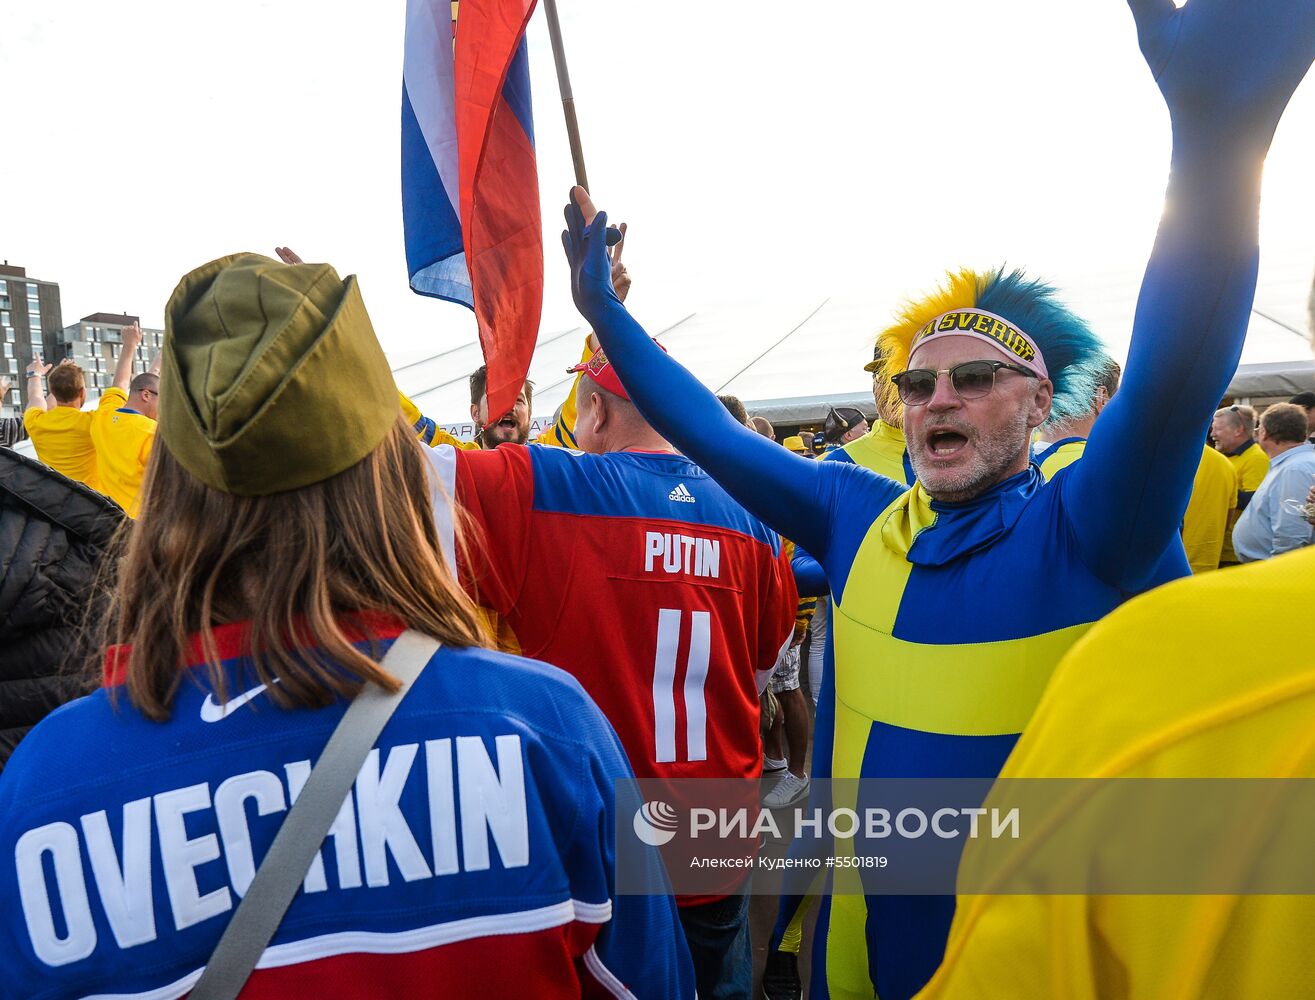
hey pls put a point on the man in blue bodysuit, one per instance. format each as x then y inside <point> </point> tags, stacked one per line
<point>954,599</point>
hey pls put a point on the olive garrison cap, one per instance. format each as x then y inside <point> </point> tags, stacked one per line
<point>272,376</point>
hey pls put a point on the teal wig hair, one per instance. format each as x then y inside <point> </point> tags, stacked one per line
<point>1073,354</point>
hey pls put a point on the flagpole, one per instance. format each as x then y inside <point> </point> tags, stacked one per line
<point>568,99</point>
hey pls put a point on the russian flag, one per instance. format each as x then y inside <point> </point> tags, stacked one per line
<point>470,183</point>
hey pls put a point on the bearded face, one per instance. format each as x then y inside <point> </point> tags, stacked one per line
<point>959,448</point>
<point>512,427</point>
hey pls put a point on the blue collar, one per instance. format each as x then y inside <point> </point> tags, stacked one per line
<point>1241,448</point>
<point>976,524</point>
<point>128,409</point>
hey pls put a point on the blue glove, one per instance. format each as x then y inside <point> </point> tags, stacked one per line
<point>781,489</point>
<point>591,270</point>
<point>1227,68</point>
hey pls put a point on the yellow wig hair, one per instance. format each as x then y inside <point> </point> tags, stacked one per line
<point>959,292</point>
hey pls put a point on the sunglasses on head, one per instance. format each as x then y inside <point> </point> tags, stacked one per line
<point>970,380</point>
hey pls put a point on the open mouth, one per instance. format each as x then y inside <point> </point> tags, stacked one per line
<point>946,444</point>
<point>508,422</point>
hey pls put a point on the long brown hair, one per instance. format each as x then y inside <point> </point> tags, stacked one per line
<point>305,569</point>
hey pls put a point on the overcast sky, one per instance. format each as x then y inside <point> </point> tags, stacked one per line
<point>757,150</point>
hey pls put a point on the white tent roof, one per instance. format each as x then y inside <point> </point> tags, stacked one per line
<point>787,356</point>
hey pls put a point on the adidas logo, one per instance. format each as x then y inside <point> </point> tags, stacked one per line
<point>681,495</point>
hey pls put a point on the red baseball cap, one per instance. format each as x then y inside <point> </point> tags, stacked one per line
<point>601,371</point>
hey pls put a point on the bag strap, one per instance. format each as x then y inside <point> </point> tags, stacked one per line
<point>307,824</point>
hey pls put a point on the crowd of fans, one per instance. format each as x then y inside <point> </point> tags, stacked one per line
<point>1249,502</point>
<point>517,525</point>
<point>106,448</point>
<point>510,539</point>
<point>240,554</point>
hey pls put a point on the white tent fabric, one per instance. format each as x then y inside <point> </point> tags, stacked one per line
<point>789,356</point>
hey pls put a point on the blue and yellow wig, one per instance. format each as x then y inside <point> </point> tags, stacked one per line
<point>1074,356</point>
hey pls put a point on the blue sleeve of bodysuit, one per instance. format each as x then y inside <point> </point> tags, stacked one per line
<point>1127,496</point>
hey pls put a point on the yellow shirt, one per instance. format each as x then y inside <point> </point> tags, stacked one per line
<point>1168,687</point>
<point>881,449</point>
<point>62,438</point>
<point>1250,466</point>
<point>123,440</point>
<point>1210,511</point>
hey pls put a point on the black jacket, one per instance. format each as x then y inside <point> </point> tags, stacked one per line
<point>53,534</point>
<point>11,431</point>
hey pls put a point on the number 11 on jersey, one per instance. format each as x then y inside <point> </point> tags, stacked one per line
<point>664,685</point>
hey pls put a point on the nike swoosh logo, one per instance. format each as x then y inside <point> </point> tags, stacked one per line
<point>211,711</point>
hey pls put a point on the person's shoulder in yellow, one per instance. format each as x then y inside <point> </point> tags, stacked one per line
<point>1252,465</point>
<point>881,449</point>
<point>59,429</point>
<point>1166,687</point>
<point>111,399</point>
<point>1066,439</point>
<point>427,429</point>
<point>1059,455</point>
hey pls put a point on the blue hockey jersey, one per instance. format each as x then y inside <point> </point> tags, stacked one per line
<point>474,855</point>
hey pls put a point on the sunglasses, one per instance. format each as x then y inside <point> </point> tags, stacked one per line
<point>970,380</point>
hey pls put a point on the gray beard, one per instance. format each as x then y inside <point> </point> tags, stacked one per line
<point>997,456</point>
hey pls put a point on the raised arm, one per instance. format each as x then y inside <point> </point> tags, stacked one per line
<point>36,371</point>
<point>785,491</point>
<point>132,337</point>
<point>1226,69</point>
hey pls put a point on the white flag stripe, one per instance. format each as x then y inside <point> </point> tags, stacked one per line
<point>427,74</point>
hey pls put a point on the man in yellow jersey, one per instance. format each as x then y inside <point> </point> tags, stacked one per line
<point>1210,511</point>
<point>123,426</point>
<point>60,431</point>
<point>1233,429</point>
